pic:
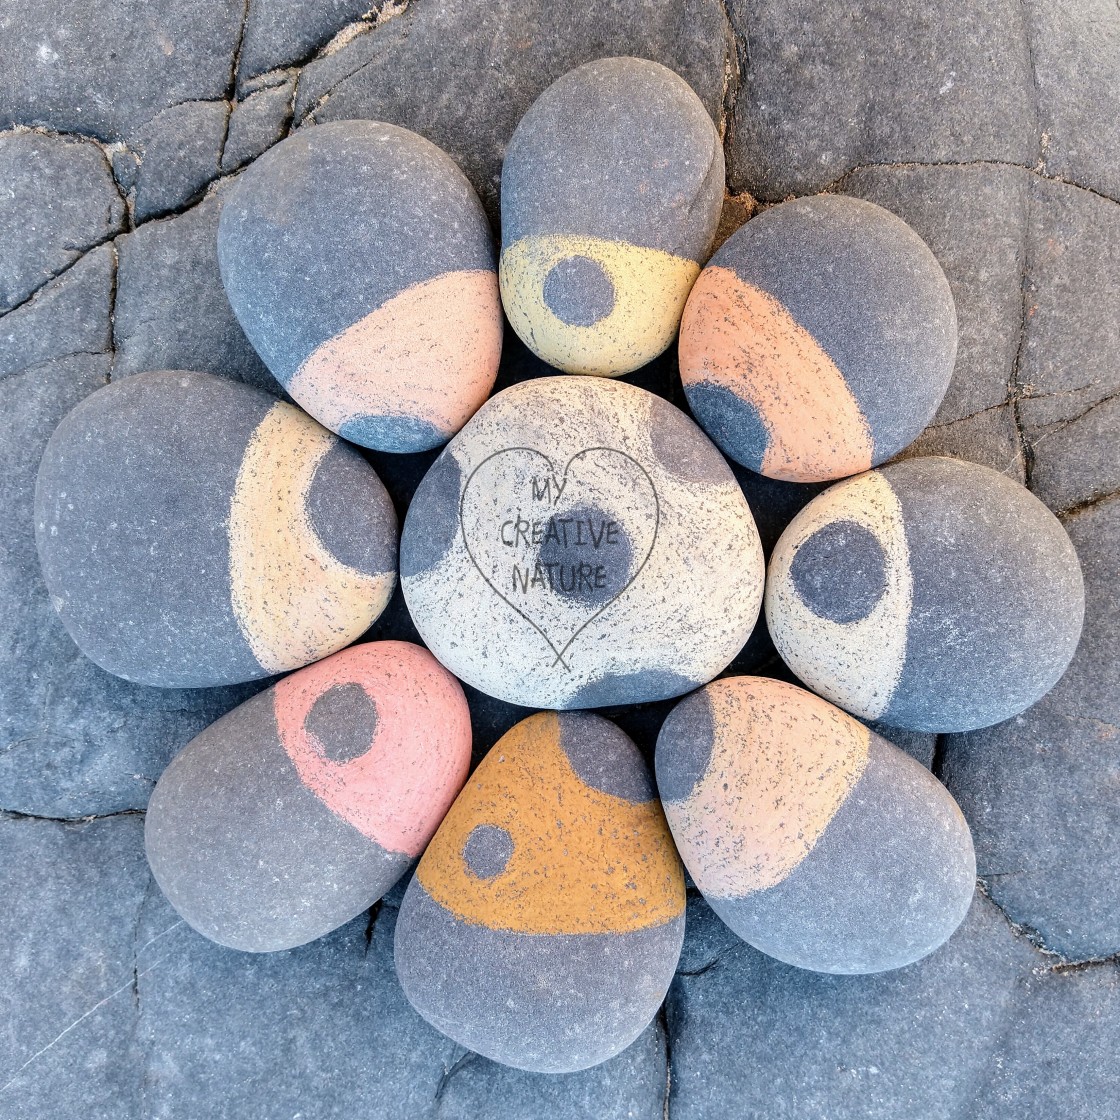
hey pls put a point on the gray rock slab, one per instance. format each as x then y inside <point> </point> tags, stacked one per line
<point>505,55</point>
<point>1071,350</point>
<point>181,152</point>
<point>1069,377</point>
<point>258,122</point>
<point>323,1030</point>
<point>59,200</point>
<point>886,83</point>
<point>752,1038</point>
<point>1057,1055</point>
<point>1076,52</point>
<point>286,32</point>
<point>73,740</point>
<point>974,219</point>
<point>171,310</point>
<point>1039,791</point>
<point>989,437</point>
<point>105,69</point>
<point>69,953</point>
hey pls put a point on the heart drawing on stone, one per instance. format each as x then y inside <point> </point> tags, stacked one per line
<point>559,545</point>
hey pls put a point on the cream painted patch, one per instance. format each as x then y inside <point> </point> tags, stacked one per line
<point>430,353</point>
<point>782,762</point>
<point>741,338</point>
<point>688,611</point>
<point>650,289</point>
<point>856,664</point>
<point>293,600</point>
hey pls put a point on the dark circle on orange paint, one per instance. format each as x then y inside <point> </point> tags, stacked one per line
<point>487,850</point>
<point>343,721</point>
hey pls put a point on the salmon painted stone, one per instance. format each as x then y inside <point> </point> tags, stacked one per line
<point>932,594</point>
<point>819,340</point>
<point>298,810</point>
<point>581,543</point>
<point>545,920</point>
<point>815,840</point>
<point>196,531</point>
<point>360,263</point>
<point>612,188</point>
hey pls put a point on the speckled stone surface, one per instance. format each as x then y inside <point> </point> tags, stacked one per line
<point>612,187</point>
<point>814,839</point>
<point>197,532</point>
<point>298,810</point>
<point>933,594</point>
<point>545,919</point>
<point>819,340</point>
<point>360,264</point>
<point>581,543</point>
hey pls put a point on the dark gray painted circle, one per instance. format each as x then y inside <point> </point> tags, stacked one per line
<point>684,747</point>
<point>487,850</point>
<point>343,721</point>
<point>578,291</point>
<point>587,555</point>
<point>840,572</point>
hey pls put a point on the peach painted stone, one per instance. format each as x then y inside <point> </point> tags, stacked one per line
<point>545,920</point>
<point>360,263</point>
<point>819,340</point>
<point>581,543</point>
<point>299,809</point>
<point>814,839</point>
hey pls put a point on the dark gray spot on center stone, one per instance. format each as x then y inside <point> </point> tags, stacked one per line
<point>343,720</point>
<point>487,850</point>
<point>586,555</point>
<point>578,291</point>
<point>840,572</point>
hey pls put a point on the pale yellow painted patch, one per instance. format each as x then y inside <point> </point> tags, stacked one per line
<point>650,289</point>
<point>583,861</point>
<point>854,664</point>
<point>293,600</point>
<point>782,762</point>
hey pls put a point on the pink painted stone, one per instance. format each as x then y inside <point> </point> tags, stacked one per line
<point>299,809</point>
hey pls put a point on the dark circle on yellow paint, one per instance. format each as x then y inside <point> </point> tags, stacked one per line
<point>487,850</point>
<point>343,721</point>
<point>840,572</point>
<point>578,291</point>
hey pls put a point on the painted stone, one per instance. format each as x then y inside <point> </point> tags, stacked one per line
<point>545,919</point>
<point>360,263</point>
<point>300,808</point>
<point>819,340</point>
<point>932,594</point>
<point>814,839</point>
<point>581,543</point>
<point>195,531</point>
<point>612,188</point>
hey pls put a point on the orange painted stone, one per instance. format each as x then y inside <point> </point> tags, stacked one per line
<point>545,919</point>
<point>360,263</point>
<point>819,340</point>
<point>299,809</point>
<point>814,839</point>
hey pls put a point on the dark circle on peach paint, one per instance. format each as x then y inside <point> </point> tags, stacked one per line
<point>343,721</point>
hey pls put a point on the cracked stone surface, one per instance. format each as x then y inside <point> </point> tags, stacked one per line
<point>60,201</point>
<point>991,127</point>
<point>180,152</point>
